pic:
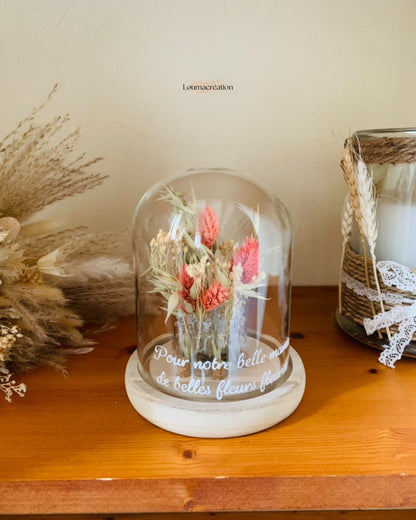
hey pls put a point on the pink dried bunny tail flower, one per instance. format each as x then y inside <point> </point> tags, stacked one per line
<point>186,281</point>
<point>248,256</point>
<point>214,296</point>
<point>184,278</point>
<point>209,226</point>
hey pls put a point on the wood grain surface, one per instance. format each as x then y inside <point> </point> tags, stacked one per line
<point>240,515</point>
<point>75,444</point>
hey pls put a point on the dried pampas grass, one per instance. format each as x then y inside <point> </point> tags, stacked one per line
<point>52,280</point>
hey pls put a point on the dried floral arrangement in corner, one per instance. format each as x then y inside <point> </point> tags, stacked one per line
<point>52,280</point>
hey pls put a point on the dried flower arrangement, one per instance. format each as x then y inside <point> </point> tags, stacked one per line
<point>204,282</point>
<point>51,280</point>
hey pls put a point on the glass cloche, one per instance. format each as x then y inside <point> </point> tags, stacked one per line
<point>212,254</point>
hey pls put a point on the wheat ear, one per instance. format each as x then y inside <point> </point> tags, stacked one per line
<point>351,177</point>
<point>347,165</point>
<point>346,220</point>
<point>369,220</point>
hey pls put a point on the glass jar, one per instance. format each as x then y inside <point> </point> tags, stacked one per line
<point>212,252</point>
<point>379,222</point>
<point>390,156</point>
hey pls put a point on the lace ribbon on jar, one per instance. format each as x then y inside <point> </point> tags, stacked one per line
<point>402,314</point>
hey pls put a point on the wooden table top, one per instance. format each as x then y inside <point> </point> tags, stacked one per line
<point>75,444</point>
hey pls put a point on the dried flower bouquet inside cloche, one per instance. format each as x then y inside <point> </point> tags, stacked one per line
<point>206,284</point>
<point>52,280</point>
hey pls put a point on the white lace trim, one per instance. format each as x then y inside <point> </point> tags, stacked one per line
<point>371,294</point>
<point>387,319</point>
<point>397,275</point>
<point>398,342</point>
<point>393,274</point>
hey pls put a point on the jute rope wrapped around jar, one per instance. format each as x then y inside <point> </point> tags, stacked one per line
<point>386,150</point>
<point>363,295</point>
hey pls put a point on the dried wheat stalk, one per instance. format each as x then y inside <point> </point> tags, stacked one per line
<point>348,167</point>
<point>347,220</point>
<point>369,219</point>
<point>346,230</point>
<point>363,202</point>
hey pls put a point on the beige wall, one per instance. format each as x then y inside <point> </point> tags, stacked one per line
<point>306,73</point>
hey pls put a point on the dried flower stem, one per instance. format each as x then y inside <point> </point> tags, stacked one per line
<point>346,229</point>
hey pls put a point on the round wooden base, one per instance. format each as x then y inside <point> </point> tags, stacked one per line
<point>215,419</point>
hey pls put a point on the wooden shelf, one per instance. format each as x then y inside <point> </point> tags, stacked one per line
<point>75,444</point>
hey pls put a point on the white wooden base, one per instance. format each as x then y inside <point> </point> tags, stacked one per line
<point>215,419</point>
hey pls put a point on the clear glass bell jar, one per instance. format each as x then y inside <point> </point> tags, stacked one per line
<point>212,254</point>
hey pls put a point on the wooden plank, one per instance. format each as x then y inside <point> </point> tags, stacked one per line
<point>206,494</point>
<point>350,444</point>
<point>280,515</point>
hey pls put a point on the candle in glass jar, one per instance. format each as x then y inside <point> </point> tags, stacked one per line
<point>396,238</point>
<point>395,186</point>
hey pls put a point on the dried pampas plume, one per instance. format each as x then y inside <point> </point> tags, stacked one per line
<point>52,281</point>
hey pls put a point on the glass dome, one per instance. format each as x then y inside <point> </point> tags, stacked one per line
<point>212,252</point>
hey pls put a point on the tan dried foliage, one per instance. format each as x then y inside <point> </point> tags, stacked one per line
<point>51,279</point>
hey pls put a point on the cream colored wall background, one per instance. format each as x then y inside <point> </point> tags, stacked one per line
<point>306,73</point>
